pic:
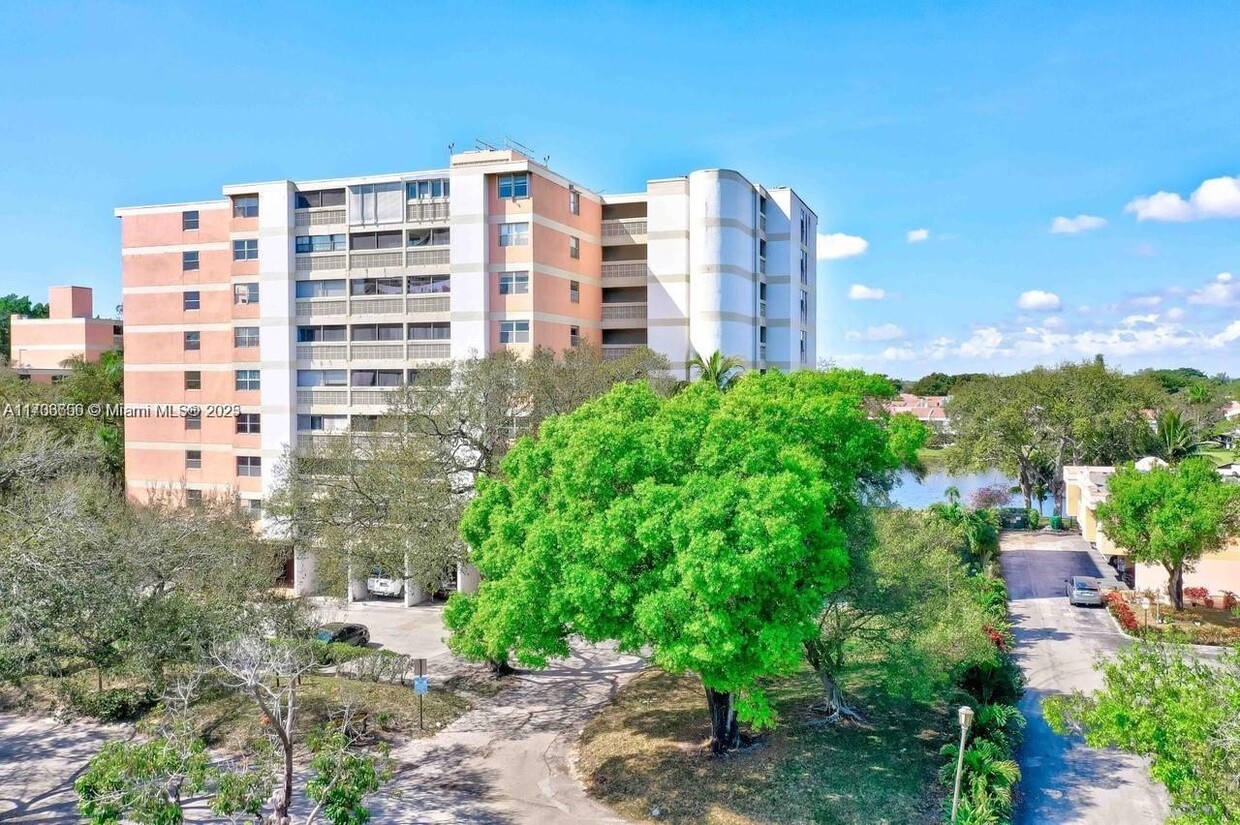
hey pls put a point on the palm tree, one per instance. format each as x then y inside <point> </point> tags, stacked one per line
<point>1177,438</point>
<point>719,369</point>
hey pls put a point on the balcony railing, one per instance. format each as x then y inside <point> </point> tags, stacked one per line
<point>321,396</point>
<point>625,230</point>
<point>325,217</point>
<point>762,308</point>
<point>429,257</point>
<point>394,351</point>
<point>428,350</point>
<point>422,212</point>
<point>612,351</point>
<point>322,352</point>
<point>375,260</point>
<point>319,263</point>
<point>429,303</point>
<point>627,269</point>
<point>762,221</point>
<point>377,396</point>
<point>316,307</point>
<point>761,352</point>
<point>624,312</point>
<point>374,305</point>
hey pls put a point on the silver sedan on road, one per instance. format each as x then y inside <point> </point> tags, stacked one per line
<point>1083,590</point>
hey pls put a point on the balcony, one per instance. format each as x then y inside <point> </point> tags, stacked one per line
<point>322,352</point>
<point>762,221</point>
<point>436,256</point>
<point>623,231</point>
<point>333,397</point>
<point>624,269</point>
<point>422,212</point>
<point>613,351</point>
<point>624,312</point>
<point>761,309</point>
<point>322,217</point>
<point>378,351</point>
<point>376,305</point>
<point>319,263</point>
<point>376,260</point>
<point>762,352</point>
<point>430,350</point>
<point>318,307</point>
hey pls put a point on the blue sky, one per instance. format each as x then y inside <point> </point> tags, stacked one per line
<point>978,122</point>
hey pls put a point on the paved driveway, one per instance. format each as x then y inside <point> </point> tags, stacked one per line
<point>1056,645</point>
<point>40,759</point>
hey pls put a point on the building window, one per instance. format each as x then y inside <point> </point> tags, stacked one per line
<point>574,336</point>
<point>804,267</point>
<point>252,507</point>
<point>245,336</point>
<point>514,234</point>
<point>804,228</point>
<point>245,249</point>
<point>574,201</point>
<point>189,261</point>
<point>193,459</point>
<point>574,247</point>
<point>249,424</point>
<point>249,465</point>
<point>515,185</point>
<point>439,331</point>
<point>375,378</point>
<point>193,498</point>
<point>191,299</point>
<point>423,189</point>
<point>429,284</point>
<point>189,220</point>
<point>245,206</point>
<point>514,283</point>
<point>322,378</point>
<point>574,292</point>
<point>247,380</point>
<point>245,293</point>
<point>804,307</point>
<point>334,288</point>
<point>193,421</point>
<point>804,346</point>
<point>378,286</point>
<point>193,380</point>
<point>440,236</point>
<point>315,335</point>
<point>514,332</point>
<point>193,340</point>
<point>322,423</point>
<point>375,240</point>
<point>320,243</point>
<point>322,197</point>
<point>377,332</point>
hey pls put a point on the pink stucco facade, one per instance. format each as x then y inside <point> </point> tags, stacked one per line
<point>70,331</point>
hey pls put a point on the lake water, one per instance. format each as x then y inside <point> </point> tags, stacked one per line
<point>912,493</point>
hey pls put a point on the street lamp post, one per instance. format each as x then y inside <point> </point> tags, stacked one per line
<point>965,715</point>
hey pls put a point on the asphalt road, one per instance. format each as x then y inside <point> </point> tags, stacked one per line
<point>1063,781</point>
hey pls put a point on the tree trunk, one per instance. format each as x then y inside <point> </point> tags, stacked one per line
<point>725,734</point>
<point>1175,585</point>
<point>500,668</point>
<point>99,679</point>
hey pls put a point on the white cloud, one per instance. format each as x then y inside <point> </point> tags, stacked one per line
<point>1144,250</point>
<point>918,235</point>
<point>1214,198</point>
<point>1054,322</point>
<point>1036,299</point>
<point>1081,223</point>
<point>904,353</point>
<point>861,292</point>
<point>1222,291</point>
<point>838,245</point>
<point>1147,300</point>
<point>1175,313</point>
<point>883,332</point>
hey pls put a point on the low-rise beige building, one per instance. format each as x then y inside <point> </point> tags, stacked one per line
<point>40,346</point>
<point>1086,488</point>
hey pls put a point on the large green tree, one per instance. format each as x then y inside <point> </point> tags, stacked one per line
<point>1171,516</point>
<point>1181,713</point>
<point>707,528</point>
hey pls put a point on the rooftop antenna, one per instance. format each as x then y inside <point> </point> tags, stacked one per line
<point>509,143</point>
<point>451,146</point>
<point>479,143</point>
<point>546,160</point>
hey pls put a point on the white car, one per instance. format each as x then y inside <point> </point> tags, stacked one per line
<point>1083,590</point>
<point>380,584</point>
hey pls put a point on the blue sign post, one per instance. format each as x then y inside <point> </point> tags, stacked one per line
<point>420,686</point>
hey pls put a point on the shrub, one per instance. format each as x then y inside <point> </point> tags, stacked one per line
<point>379,666</point>
<point>109,705</point>
<point>1122,612</point>
<point>1229,600</point>
<point>989,498</point>
<point>1034,518</point>
<point>995,681</point>
<point>1196,595</point>
<point>336,653</point>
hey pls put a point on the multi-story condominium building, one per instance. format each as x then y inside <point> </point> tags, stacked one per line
<point>299,307</point>
<point>39,346</point>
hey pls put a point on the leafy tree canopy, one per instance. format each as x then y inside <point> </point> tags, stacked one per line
<point>707,526</point>
<point>940,383</point>
<point>10,305</point>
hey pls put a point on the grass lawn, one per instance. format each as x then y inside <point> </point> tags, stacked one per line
<point>646,751</point>
<point>932,457</point>
<point>1219,457</point>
